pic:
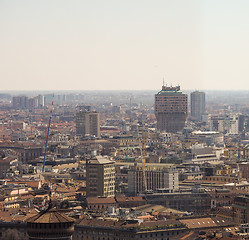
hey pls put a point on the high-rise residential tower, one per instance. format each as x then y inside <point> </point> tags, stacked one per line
<point>87,122</point>
<point>198,104</point>
<point>171,106</point>
<point>100,177</point>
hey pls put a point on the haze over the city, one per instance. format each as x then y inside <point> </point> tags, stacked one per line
<point>131,45</point>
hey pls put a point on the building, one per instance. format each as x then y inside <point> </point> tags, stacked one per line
<point>241,209</point>
<point>4,166</point>
<point>197,202</point>
<point>225,124</point>
<point>20,102</point>
<point>197,101</point>
<point>126,230</point>
<point>50,224</point>
<point>244,169</point>
<point>171,109</point>
<point>100,177</point>
<point>87,122</point>
<point>41,101</point>
<point>158,178</point>
<point>101,203</point>
<point>23,102</point>
<point>25,153</point>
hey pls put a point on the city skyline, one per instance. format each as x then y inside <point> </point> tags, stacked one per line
<point>123,46</point>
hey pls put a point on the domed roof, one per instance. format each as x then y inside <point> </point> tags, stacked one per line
<point>50,216</point>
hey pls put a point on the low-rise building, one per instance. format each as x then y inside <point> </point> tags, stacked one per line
<point>126,230</point>
<point>241,209</point>
<point>101,203</point>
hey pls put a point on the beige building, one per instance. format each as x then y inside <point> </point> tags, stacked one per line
<point>171,107</point>
<point>158,178</point>
<point>87,122</point>
<point>100,177</point>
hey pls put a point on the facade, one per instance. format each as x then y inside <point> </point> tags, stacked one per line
<point>126,230</point>
<point>171,109</point>
<point>197,100</point>
<point>20,102</point>
<point>87,122</point>
<point>101,203</point>
<point>197,202</point>
<point>241,209</point>
<point>23,102</point>
<point>224,124</point>
<point>4,166</point>
<point>13,230</point>
<point>24,153</point>
<point>100,177</point>
<point>159,177</point>
<point>244,170</point>
<point>41,101</point>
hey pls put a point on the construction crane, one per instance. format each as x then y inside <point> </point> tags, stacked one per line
<point>46,143</point>
<point>144,181</point>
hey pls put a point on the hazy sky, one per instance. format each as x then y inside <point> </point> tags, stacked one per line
<point>123,44</point>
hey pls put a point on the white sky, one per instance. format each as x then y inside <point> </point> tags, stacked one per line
<point>123,44</point>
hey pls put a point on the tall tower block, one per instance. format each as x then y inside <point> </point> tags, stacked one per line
<point>171,106</point>
<point>198,104</point>
<point>87,122</point>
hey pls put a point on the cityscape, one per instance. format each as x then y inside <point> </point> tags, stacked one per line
<point>124,120</point>
<point>168,165</point>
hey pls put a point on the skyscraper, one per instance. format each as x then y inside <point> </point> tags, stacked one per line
<point>198,104</point>
<point>171,106</point>
<point>87,122</point>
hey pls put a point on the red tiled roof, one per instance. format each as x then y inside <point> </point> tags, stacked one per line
<point>130,199</point>
<point>50,216</point>
<point>100,200</point>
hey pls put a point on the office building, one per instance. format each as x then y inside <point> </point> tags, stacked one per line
<point>100,177</point>
<point>197,101</point>
<point>158,178</point>
<point>87,122</point>
<point>171,109</point>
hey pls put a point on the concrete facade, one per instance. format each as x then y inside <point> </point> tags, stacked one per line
<point>171,109</point>
<point>87,123</point>
<point>100,177</point>
<point>159,177</point>
<point>197,100</point>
